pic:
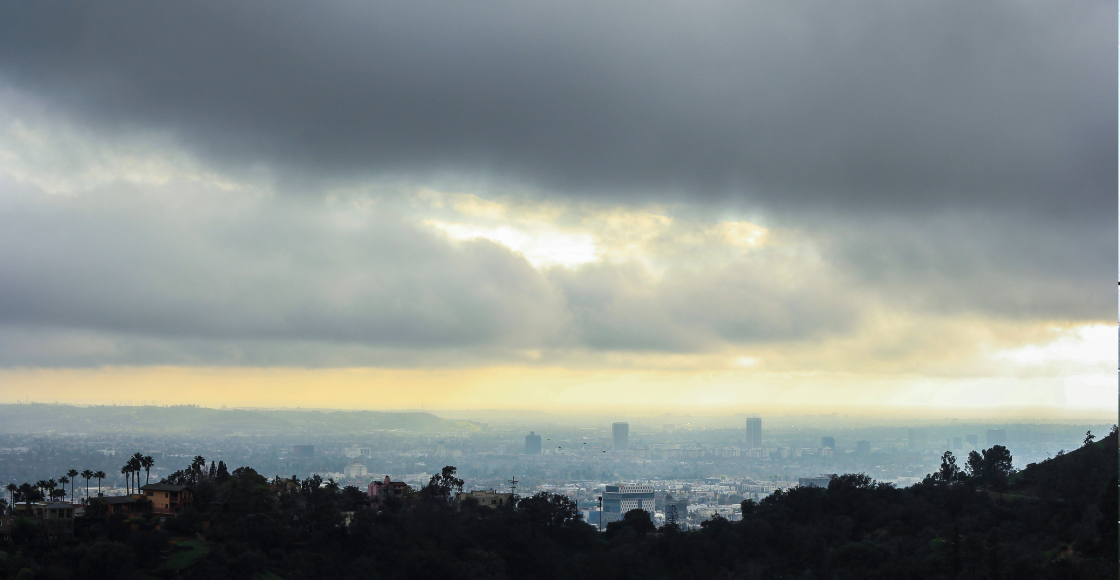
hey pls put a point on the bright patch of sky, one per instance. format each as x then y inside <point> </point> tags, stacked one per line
<point>542,247</point>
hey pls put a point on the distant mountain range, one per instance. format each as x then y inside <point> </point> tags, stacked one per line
<point>43,418</point>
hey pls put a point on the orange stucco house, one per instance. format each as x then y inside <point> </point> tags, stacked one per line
<point>167,499</point>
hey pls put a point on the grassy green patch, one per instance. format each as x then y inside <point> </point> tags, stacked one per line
<point>186,553</point>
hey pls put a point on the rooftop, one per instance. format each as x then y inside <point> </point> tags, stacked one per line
<point>163,487</point>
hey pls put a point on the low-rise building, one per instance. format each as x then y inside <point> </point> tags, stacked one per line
<point>168,499</point>
<point>383,490</point>
<point>122,504</point>
<point>355,469</point>
<point>821,481</point>
<point>488,497</point>
<point>56,519</point>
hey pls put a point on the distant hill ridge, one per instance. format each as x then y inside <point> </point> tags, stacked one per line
<point>42,418</point>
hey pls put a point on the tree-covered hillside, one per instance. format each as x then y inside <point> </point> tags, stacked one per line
<point>1056,519</point>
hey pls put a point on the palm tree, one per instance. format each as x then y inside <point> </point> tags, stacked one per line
<point>99,475</point>
<point>126,472</point>
<point>137,463</point>
<point>27,492</point>
<point>63,480</point>
<point>147,462</point>
<point>51,485</point>
<point>11,487</point>
<point>73,474</point>
<point>87,474</point>
<point>41,485</point>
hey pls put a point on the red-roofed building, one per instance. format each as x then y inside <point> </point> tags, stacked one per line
<point>379,491</point>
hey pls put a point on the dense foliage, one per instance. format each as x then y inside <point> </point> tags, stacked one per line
<point>1056,519</point>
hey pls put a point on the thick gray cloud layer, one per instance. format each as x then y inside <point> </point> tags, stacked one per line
<point>189,275</point>
<point>858,105</point>
<point>950,158</point>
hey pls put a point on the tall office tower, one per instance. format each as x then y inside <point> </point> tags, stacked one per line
<point>957,444</point>
<point>916,438</point>
<point>828,442</point>
<point>620,433</point>
<point>532,444</point>
<point>996,436</point>
<point>972,440</point>
<point>863,446</point>
<point>754,433</point>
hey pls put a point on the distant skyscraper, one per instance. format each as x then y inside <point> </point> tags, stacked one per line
<point>754,433</point>
<point>957,443</point>
<point>996,436</point>
<point>620,433</point>
<point>828,442</point>
<point>916,438</point>
<point>972,440</point>
<point>532,444</point>
<point>863,447</point>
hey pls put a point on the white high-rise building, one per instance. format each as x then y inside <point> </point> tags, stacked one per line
<point>619,499</point>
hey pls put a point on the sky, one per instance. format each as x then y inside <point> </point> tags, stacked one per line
<point>720,207</point>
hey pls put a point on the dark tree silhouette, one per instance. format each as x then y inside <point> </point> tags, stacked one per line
<point>87,474</point>
<point>444,485</point>
<point>73,475</point>
<point>223,474</point>
<point>635,521</point>
<point>949,472</point>
<point>147,463</point>
<point>550,509</point>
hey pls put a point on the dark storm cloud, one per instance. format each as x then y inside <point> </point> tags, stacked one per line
<point>1006,265</point>
<point>931,157</point>
<point>852,104</point>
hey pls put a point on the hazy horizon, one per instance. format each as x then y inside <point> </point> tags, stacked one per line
<point>699,418</point>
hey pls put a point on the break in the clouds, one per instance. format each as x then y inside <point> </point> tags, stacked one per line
<point>855,187</point>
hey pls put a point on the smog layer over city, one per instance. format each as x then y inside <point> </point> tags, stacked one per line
<point>554,290</point>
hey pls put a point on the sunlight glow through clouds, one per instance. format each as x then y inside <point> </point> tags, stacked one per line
<point>542,247</point>
<point>1095,343</point>
<point>1086,360</point>
<point>555,235</point>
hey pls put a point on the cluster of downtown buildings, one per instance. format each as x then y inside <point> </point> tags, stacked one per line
<point>662,468</point>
